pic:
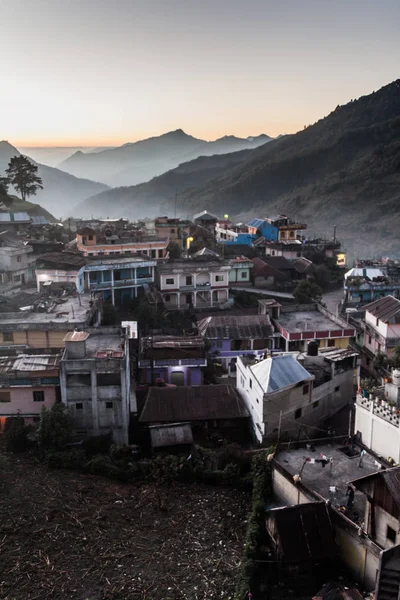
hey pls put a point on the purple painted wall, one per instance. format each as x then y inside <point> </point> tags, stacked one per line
<point>191,375</point>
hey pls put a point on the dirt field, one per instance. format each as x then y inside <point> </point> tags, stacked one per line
<point>68,535</point>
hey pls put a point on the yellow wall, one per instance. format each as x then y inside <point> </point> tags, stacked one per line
<point>339,343</point>
<point>36,339</point>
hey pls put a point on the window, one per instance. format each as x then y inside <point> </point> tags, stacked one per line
<point>297,413</point>
<point>244,275</point>
<point>17,277</point>
<point>391,534</point>
<point>8,336</point>
<point>189,280</point>
<point>250,383</point>
<point>368,362</point>
<point>220,344</point>
<point>18,258</point>
<point>298,254</point>
<point>292,234</point>
<point>377,322</point>
<point>172,230</point>
<point>109,405</point>
<point>100,254</point>
<point>315,404</point>
<point>188,298</point>
<point>331,343</point>
<point>5,397</point>
<point>306,389</point>
<point>127,251</point>
<point>90,238</point>
<point>219,278</point>
<point>369,339</point>
<point>273,253</point>
<point>38,396</point>
<point>108,379</point>
<point>167,298</point>
<point>79,406</point>
<point>154,254</point>
<point>170,281</point>
<point>257,401</point>
<point>337,388</point>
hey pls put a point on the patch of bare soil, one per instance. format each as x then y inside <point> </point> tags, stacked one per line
<point>69,535</point>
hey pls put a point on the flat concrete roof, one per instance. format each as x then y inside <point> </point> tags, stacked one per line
<point>319,479</point>
<point>310,320</point>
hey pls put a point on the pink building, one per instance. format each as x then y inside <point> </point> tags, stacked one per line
<point>28,382</point>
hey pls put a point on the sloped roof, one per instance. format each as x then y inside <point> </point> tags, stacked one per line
<point>256,223</point>
<point>279,262</point>
<point>260,268</point>
<point>205,216</point>
<point>302,265</point>
<point>304,532</point>
<point>391,478</point>
<point>279,372</point>
<point>367,273</point>
<point>29,362</point>
<point>236,327</point>
<point>195,403</point>
<point>385,309</point>
<point>206,252</point>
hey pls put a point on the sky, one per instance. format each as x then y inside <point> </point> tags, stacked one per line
<point>106,72</point>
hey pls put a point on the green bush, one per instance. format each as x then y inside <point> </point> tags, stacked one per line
<point>16,435</point>
<point>97,444</point>
<point>103,465</point>
<point>69,459</point>
<point>55,428</point>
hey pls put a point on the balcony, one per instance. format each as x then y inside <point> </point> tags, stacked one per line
<point>195,287</point>
<point>120,283</point>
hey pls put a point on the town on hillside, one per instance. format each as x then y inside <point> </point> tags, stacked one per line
<point>179,338</point>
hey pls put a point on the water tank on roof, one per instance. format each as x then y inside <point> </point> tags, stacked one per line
<point>312,348</point>
<point>396,377</point>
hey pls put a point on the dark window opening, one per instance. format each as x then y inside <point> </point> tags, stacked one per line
<point>109,405</point>
<point>108,379</point>
<point>38,396</point>
<point>8,336</point>
<point>337,388</point>
<point>79,405</point>
<point>250,383</point>
<point>297,414</point>
<point>315,404</point>
<point>391,534</point>
<point>331,343</point>
<point>189,280</point>
<point>306,389</point>
<point>5,397</point>
<point>170,281</point>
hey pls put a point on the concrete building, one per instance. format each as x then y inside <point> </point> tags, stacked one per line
<point>289,249</point>
<point>16,264</point>
<point>366,284</point>
<point>96,383</point>
<point>176,230</point>
<point>231,336</point>
<point>276,228</point>
<point>41,321</point>
<point>240,271</point>
<point>381,326</point>
<point>172,359</point>
<point>300,325</point>
<point>118,279</point>
<point>377,420</point>
<point>290,396</point>
<point>112,243</point>
<point>206,220</point>
<point>28,382</point>
<point>198,282</point>
<point>61,267</point>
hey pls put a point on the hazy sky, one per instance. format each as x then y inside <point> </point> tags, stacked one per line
<point>101,72</point>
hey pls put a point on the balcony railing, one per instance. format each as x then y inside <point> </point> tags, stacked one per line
<point>174,362</point>
<point>380,408</point>
<point>195,286</point>
<point>106,285</point>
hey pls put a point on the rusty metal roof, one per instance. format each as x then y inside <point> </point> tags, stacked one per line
<point>76,336</point>
<point>303,532</point>
<point>195,403</point>
<point>236,327</point>
<point>29,362</point>
<point>391,477</point>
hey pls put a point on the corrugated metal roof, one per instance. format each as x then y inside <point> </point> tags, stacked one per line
<point>195,403</point>
<point>236,327</point>
<point>384,308</point>
<point>279,372</point>
<point>255,223</point>
<point>76,336</point>
<point>368,273</point>
<point>171,435</point>
<point>303,532</point>
<point>391,478</point>
<point>29,362</point>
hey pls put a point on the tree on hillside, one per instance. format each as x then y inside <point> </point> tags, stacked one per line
<point>22,175</point>
<point>4,197</point>
<point>307,292</point>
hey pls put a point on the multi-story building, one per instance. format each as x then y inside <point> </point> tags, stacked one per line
<point>206,220</point>
<point>240,271</point>
<point>61,267</point>
<point>112,243</point>
<point>231,336</point>
<point>176,360</point>
<point>27,382</point>
<point>118,279</point>
<point>96,383</point>
<point>176,230</point>
<point>227,233</point>
<point>366,284</point>
<point>276,228</point>
<point>16,264</point>
<point>197,282</point>
<point>381,328</point>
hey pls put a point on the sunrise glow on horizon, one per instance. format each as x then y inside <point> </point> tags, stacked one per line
<point>106,73</point>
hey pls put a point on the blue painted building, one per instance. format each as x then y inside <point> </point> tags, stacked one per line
<point>263,228</point>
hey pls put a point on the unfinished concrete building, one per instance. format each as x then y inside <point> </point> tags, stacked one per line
<point>96,384</point>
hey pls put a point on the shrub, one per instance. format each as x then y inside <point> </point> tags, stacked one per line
<point>103,465</point>
<point>98,444</point>
<point>69,459</point>
<point>16,435</point>
<point>55,428</point>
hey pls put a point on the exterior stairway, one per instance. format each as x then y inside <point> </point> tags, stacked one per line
<point>388,585</point>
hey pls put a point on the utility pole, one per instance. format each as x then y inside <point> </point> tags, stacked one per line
<point>176,199</point>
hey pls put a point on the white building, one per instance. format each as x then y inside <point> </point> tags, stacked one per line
<point>16,264</point>
<point>378,418</point>
<point>288,395</point>
<point>197,282</point>
<point>382,326</point>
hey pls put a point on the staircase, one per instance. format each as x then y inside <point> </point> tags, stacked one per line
<point>388,586</point>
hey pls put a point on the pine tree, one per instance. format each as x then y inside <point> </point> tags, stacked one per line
<point>22,175</point>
